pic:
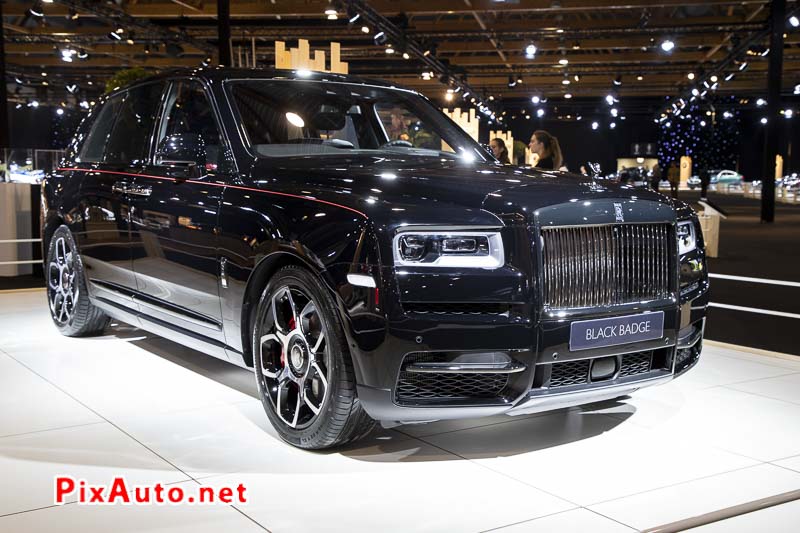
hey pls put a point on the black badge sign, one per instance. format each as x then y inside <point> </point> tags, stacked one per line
<point>602,332</point>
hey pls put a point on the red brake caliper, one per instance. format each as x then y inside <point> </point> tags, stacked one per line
<point>283,355</point>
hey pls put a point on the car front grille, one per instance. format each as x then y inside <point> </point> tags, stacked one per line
<point>414,387</point>
<point>635,363</point>
<point>570,373</point>
<point>595,266</point>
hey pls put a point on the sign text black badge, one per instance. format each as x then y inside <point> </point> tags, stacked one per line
<point>602,332</point>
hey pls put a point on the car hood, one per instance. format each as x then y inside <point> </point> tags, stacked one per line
<point>436,191</point>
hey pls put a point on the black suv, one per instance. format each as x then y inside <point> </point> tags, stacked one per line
<point>368,259</point>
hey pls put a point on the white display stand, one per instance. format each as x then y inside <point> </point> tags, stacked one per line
<point>15,223</point>
<point>709,224</point>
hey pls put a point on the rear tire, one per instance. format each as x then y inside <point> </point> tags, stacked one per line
<point>302,366</point>
<point>72,312</point>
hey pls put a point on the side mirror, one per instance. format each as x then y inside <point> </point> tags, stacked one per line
<point>183,150</point>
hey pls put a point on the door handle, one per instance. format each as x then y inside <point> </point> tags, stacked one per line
<point>119,187</point>
<point>139,190</point>
<point>123,187</point>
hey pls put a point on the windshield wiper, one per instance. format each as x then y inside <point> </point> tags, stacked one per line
<point>336,143</point>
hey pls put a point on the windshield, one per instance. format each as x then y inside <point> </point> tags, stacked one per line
<point>290,117</point>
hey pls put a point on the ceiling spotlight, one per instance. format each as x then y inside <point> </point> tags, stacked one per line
<point>354,18</point>
<point>84,104</point>
<point>563,61</point>
<point>540,112</point>
<point>331,13</point>
<point>34,103</point>
<point>614,112</point>
<point>730,76</point>
<point>763,120</point>
<point>536,99</point>
<point>512,81</point>
<point>667,45</point>
<point>743,66</point>
<point>703,123</point>
<point>576,77</point>
<point>595,125</point>
<point>568,96</point>
<point>389,49</point>
<point>530,50</point>
<point>610,99</point>
<point>690,75</point>
<point>727,114</point>
<point>788,113</point>
<point>565,81</point>
<point>59,111</point>
<point>379,38</point>
<point>448,97</point>
<point>576,46</point>
<point>797,89</point>
<point>406,56</point>
<point>714,78</point>
<point>612,125</point>
<point>761,102</point>
<point>794,21</point>
<point>129,40</point>
<point>695,92</point>
<point>364,29</point>
<point>114,35</point>
<point>618,81</point>
<point>639,78</point>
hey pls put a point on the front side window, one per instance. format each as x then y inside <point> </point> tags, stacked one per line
<point>95,143</point>
<point>129,141</point>
<point>189,112</point>
<point>286,118</point>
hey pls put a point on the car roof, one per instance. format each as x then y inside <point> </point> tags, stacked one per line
<point>225,73</point>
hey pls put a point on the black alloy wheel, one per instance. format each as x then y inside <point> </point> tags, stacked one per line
<point>72,312</point>
<point>303,370</point>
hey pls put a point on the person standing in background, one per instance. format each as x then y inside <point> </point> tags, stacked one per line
<point>656,177</point>
<point>547,148</point>
<point>705,179</point>
<point>674,177</point>
<point>499,150</point>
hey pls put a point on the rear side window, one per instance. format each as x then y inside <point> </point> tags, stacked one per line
<point>129,141</point>
<point>92,149</point>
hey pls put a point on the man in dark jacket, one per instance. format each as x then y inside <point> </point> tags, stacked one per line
<point>656,177</point>
<point>705,179</point>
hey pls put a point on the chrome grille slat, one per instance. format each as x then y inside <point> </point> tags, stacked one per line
<point>593,266</point>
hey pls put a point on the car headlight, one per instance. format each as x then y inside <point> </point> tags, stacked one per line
<point>453,249</point>
<point>687,239</point>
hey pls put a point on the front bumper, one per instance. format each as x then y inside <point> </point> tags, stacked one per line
<point>529,391</point>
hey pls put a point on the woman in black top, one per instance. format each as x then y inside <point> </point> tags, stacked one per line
<point>499,150</point>
<point>547,148</point>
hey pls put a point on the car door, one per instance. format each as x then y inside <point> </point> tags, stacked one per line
<point>174,219</point>
<point>102,231</point>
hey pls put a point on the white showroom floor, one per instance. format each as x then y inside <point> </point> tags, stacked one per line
<point>134,405</point>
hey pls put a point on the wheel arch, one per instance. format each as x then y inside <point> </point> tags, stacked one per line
<point>258,279</point>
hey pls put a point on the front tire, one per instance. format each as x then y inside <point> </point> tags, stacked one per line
<point>72,312</point>
<point>302,366</point>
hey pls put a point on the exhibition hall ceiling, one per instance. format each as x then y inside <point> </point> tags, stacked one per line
<point>504,49</point>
